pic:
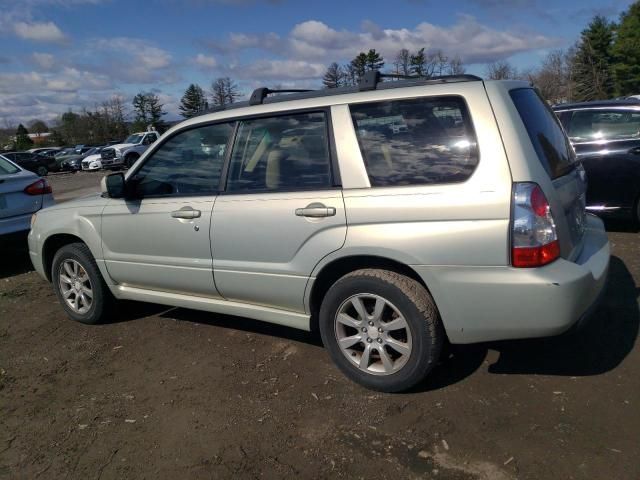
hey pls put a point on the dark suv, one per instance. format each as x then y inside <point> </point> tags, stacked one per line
<point>606,137</point>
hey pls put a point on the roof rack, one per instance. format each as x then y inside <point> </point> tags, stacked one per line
<point>259,94</point>
<point>372,78</point>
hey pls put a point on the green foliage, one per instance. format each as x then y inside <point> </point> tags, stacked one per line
<point>418,63</point>
<point>23,142</point>
<point>362,63</point>
<point>626,52</point>
<point>374,60</point>
<point>148,111</point>
<point>193,101</point>
<point>592,72</point>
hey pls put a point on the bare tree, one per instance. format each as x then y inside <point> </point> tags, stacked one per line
<point>501,70</point>
<point>441,63</point>
<point>553,78</point>
<point>333,77</point>
<point>224,91</point>
<point>402,62</point>
<point>456,67</point>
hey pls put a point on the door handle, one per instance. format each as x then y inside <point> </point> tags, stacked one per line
<point>316,210</point>
<point>186,212</point>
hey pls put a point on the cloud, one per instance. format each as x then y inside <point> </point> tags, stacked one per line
<point>205,61</point>
<point>45,61</point>
<point>39,32</point>
<point>315,41</point>
<point>277,70</point>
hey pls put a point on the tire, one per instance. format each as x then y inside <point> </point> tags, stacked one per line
<point>42,171</point>
<point>416,328</point>
<point>130,160</point>
<point>101,303</point>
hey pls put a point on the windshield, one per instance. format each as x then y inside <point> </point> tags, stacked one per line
<point>6,167</point>
<point>135,138</point>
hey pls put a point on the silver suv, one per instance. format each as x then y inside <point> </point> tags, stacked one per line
<point>311,210</point>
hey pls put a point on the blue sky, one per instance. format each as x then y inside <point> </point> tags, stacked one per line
<point>61,54</point>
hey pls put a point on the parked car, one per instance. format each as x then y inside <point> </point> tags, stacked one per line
<point>32,162</point>
<point>22,193</point>
<point>72,161</point>
<point>92,159</point>
<point>293,210</point>
<point>125,154</point>
<point>45,151</point>
<point>606,138</point>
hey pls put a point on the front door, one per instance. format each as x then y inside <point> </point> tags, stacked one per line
<point>281,212</point>
<point>159,239</point>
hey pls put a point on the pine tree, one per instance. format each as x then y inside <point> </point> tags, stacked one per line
<point>626,52</point>
<point>358,66</point>
<point>148,111</point>
<point>592,72</point>
<point>374,60</point>
<point>333,77</point>
<point>418,63</point>
<point>193,101</point>
<point>23,142</point>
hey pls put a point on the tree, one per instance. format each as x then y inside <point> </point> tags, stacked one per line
<point>374,60</point>
<point>592,72</point>
<point>193,101</point>
<point>422,64</point>
<point>358,66</point>
<point>441,63</point>
<point>23,142</point>
<point>626,52</point>
<point>553,78</point>
<point>402,62</point>
<point>456,67</point>
<point>38,126</point>
<point>224,91</point>
<point>501,70</point>
<point>334,77</point>
<point>148,111</point>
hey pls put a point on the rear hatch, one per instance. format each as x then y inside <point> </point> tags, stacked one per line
<point>13,201</point>
<point>556,155</point>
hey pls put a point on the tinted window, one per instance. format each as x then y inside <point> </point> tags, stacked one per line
<point>189,163</point>
<point>546,134</point>
<point>281,153</point>
<point>416,141</point>
<point>602,124</point>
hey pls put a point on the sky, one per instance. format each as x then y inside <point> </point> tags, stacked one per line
<point>57,55</point>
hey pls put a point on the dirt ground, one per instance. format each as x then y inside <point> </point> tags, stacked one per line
<point>164,393</point>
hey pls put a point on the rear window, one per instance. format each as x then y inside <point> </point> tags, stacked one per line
<point>6,167</point>
<point>416,141</point>
<point>603,124</point>
<point>546,134</point>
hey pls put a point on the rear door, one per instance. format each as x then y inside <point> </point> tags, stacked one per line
<point>556,155</point>
<point>281,213</point>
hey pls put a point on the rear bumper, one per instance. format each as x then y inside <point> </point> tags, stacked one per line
<point>20,223</point>
<point>480,304</point>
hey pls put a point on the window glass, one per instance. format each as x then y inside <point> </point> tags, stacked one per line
<point>547,137</point>
<point>7,167</point>
<point>601,124</point>
<point>187,164</point>
<point>416,141</point>
<point>281,153</point>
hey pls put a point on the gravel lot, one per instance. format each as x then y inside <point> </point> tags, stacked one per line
<point>174,393</point>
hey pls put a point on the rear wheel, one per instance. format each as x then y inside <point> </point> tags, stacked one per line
<point>42,171</point>
<point>79,285</point>
<point>382,329</point>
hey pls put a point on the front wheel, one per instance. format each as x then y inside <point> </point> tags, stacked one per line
<point>382,329</point>
<point>42,171</point>
<point>79,285</point>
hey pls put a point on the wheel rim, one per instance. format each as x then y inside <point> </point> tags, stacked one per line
<point>42,171</point>
<point>75,286</point>
<point>372,334</point>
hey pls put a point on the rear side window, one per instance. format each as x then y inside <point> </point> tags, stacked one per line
<point>287,152</point>
<point>7,168</point>
<point>416,141</point>
<point>603,124</point>
<point>549,141</point>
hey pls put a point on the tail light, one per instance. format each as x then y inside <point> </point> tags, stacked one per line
<point>39,187</point>
<point>534,241</point>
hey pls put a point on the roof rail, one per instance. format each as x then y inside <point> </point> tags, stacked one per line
<point>370,79</point>
<point>259,94</point>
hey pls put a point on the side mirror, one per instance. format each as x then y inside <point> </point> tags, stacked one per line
<point>113,185</point>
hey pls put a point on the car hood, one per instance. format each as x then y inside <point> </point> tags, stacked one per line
<point>92,158</point>
<point>121,146</point>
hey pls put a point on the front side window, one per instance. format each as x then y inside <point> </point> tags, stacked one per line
<point>189,163</point>
<point>416,141</point>
<point>288,152</point>
<point>603,124</point>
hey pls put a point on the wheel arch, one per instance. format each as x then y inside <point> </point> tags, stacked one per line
<point>341,266</point>
<point>54,243</point>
